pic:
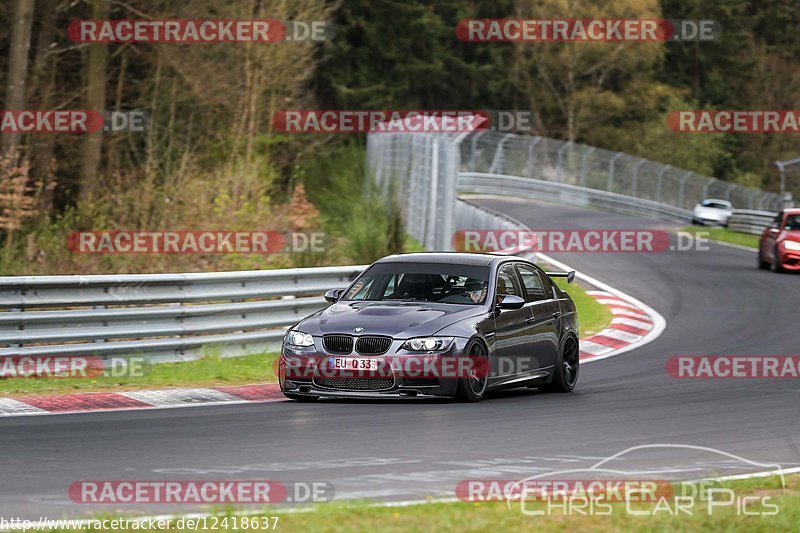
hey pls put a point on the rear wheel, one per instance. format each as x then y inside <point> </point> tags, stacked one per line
<point>568,366</point>
<point>472,388</point>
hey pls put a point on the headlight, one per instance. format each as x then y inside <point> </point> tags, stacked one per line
<point>428,344</point>
<point>792,245</point>
<point>298,338</point>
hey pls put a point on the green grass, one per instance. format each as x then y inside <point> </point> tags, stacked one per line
<point>206,372</point>
<point>724,235</point>
<point>593,316</point>
<point>488,517</point>
<point>215,371</point>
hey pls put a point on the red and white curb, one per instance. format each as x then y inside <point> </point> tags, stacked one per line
<point>629,326</point>
<point>140,399</point>
<point>634,324</point>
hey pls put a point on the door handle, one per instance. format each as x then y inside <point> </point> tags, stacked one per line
<point>557,314</point>
<point>530,320</point>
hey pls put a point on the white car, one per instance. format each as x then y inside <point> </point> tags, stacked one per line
<point>712,212</point>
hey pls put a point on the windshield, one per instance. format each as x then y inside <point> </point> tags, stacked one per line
<point>715,205</point>
<point>792,223</point>
<point>425,282</point>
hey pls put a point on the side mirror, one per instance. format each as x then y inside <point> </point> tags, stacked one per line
<point>333,295</point>
<point>511,301</point>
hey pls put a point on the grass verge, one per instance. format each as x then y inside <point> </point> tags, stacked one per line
<point>594,316</point>
<point>763,495</point>
<point>724,235</point>
<point>207,372</point>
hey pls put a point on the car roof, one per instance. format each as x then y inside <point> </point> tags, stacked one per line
<point>462,258</point>
<point>792,211</point>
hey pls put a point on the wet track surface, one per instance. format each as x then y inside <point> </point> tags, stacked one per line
<point>715,302</point>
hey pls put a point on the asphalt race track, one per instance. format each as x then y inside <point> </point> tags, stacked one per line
<point>715,302</point>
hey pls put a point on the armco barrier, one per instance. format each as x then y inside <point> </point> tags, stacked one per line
<point>752,222</point>
<point>163,317</point>
<point>476,182</point>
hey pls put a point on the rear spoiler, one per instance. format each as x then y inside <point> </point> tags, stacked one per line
<point>569,275</point>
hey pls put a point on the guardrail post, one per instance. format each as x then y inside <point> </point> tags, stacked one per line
<point>583,165</point>
<point>531,163</point>
<point>635,183</point>
<point>560,168</point>
<point>610,186</point>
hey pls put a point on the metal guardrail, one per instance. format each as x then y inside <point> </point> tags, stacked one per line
<point>484,183</point>
<point>752,222</point>
<point>162,317</point>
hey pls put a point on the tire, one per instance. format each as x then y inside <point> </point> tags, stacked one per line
<point>777,267</point>
<point>301,397</point>
<point>762,265</point>
<point>567,368</point>
<point>473,388</point>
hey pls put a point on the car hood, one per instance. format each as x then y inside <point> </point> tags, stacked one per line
<point>396,319</point>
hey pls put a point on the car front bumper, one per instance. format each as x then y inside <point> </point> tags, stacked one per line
<point>299,374</point>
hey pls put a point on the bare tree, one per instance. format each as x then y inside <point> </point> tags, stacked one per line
<point>18,66</point>
<point>95,101</point>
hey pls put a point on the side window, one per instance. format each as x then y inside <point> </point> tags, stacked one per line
<point>360,289</point>
<point>391,286</point>
<point>507,281</point>
<point>535,289</point>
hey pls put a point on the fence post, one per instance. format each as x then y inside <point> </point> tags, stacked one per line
<point>473,155</point>
<point>499,153</point>
<point>583,165</point>
<point>660,181</point>
<point>560,168</point>
<point>708,187</point>
<point>532,156</point>
<point>610,186</point>
<point>635,184</point>
<point>683,189</point>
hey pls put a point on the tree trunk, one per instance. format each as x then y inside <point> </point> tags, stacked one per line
<point>17,67</point>
<point>42,83</point>
<point>95,101</point>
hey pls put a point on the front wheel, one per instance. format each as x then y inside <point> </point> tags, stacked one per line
<point>776,262</point>
<point>763,265</point>
<point>568,366</point>
<point>472,388</point>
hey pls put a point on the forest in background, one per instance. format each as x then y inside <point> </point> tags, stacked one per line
<point>209,157</point>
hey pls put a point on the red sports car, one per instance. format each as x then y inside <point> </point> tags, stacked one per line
<point>779,247</point>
